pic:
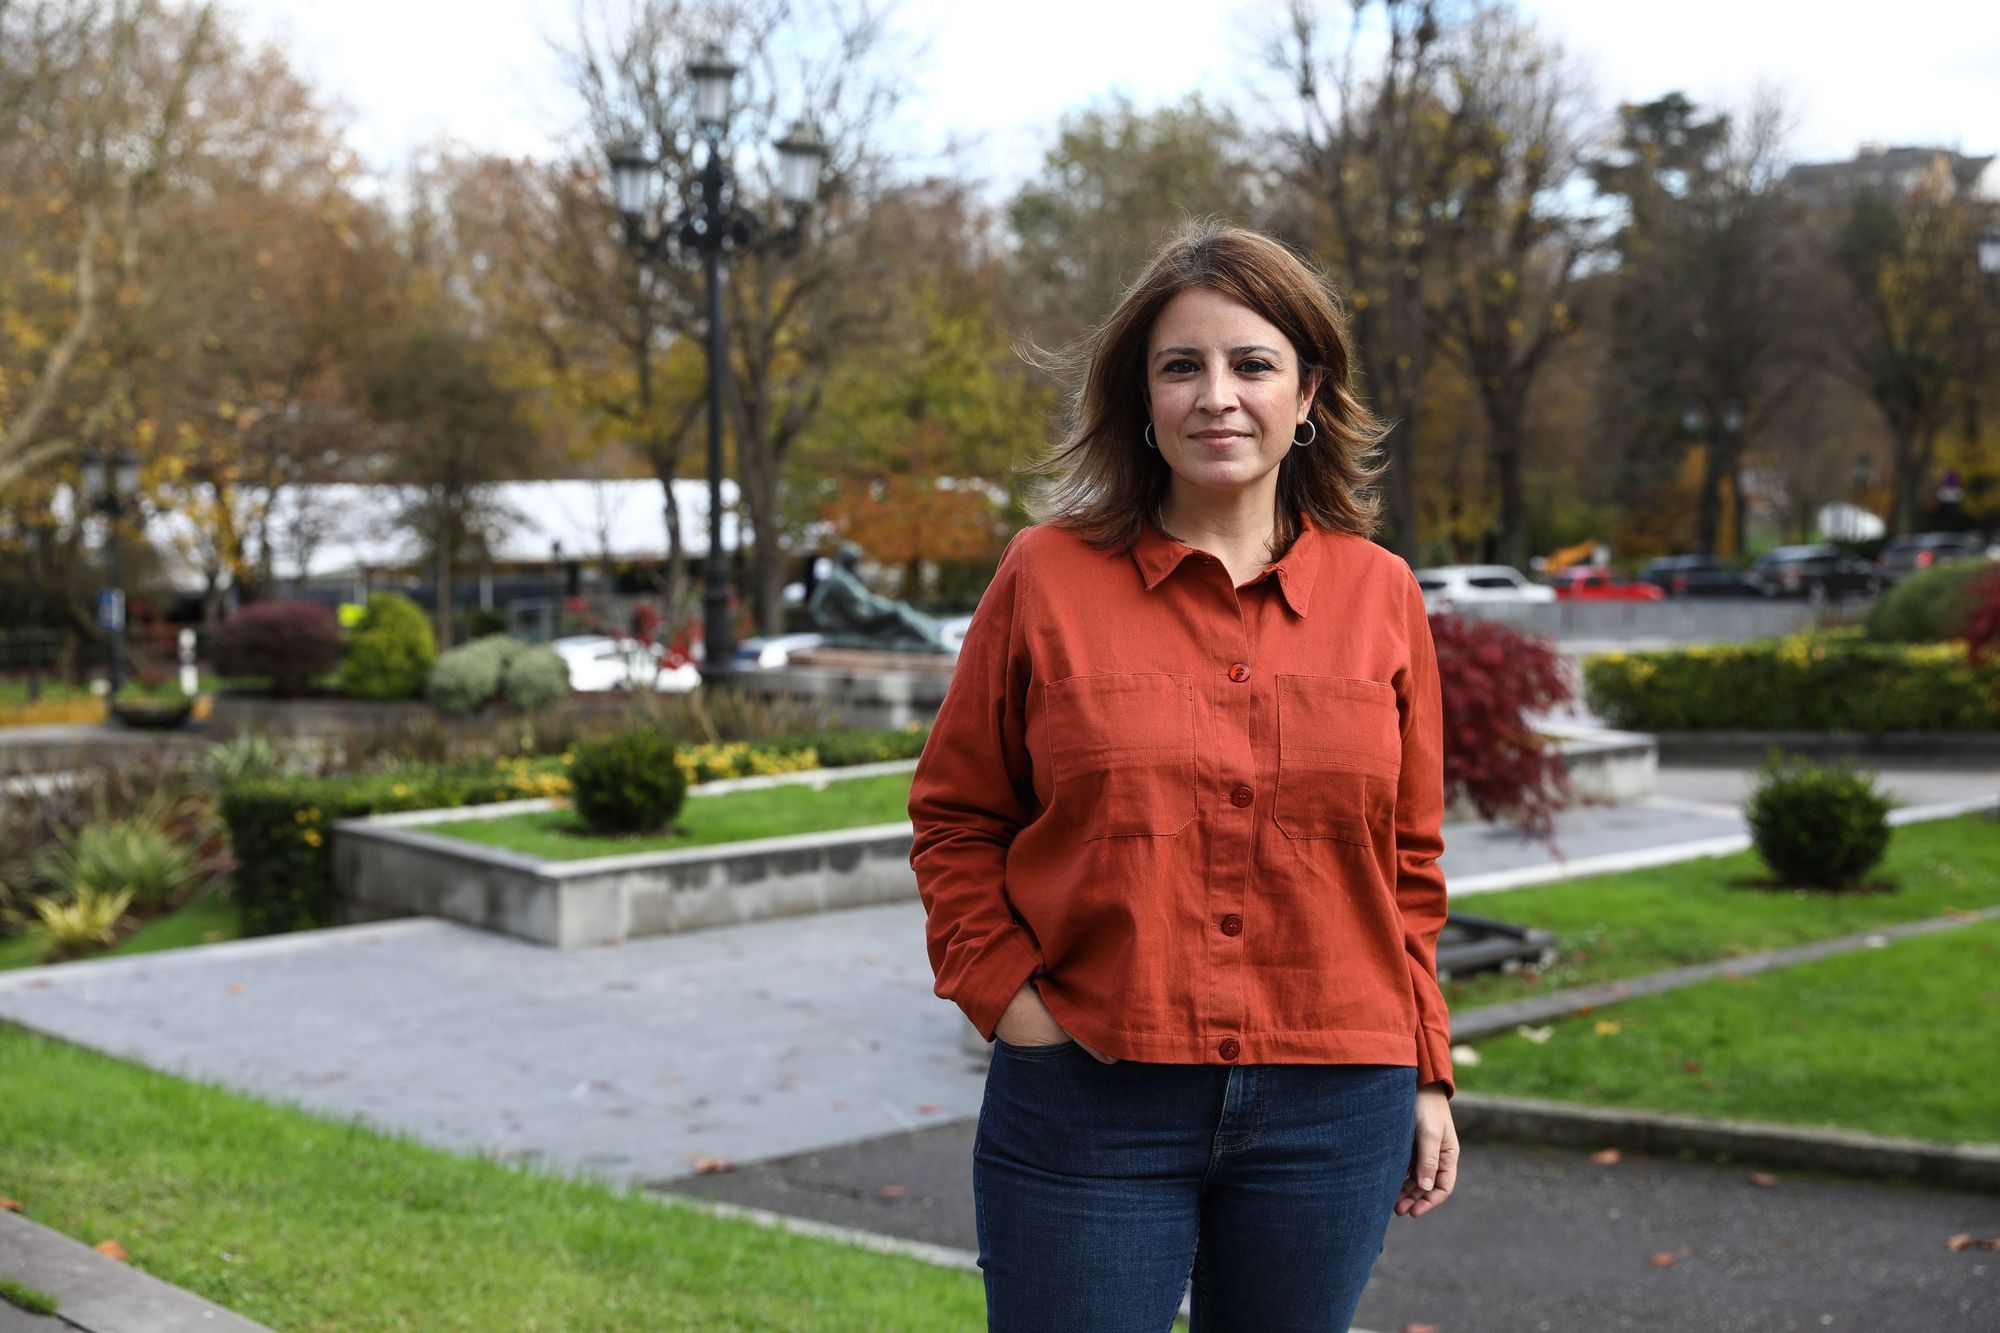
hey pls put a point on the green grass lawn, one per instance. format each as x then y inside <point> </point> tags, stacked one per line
<point>203,921</point>
<point>303,1222</point>
<point>1897,1040</point>
<point>1622,925</point>
<point>703,820</point>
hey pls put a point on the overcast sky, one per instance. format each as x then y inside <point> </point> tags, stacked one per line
<point>1000,75</point>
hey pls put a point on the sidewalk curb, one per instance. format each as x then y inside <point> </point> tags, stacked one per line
<point>1965,1166</point>
<point>1488,1020</point>
<point>98,1294</point>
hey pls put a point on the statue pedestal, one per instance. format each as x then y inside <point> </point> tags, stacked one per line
<point>865,687</point>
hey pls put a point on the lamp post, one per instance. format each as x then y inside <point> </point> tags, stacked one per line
<point>1722,427</point>
<point>713,226</point>
<point>109,482</point>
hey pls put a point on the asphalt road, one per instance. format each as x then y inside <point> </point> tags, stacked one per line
<point>1534,1239</point>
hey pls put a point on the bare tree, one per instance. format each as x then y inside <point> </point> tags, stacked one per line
<point>1376,154</point>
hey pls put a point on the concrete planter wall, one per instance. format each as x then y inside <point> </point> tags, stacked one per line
<point>1604,767</point>
<point>383,867</point>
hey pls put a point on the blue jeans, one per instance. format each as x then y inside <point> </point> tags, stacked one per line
<point>1101,1188</point>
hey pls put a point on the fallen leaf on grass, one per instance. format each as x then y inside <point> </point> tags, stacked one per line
<point>111,1248</point>
<point>1608,1157</point>
<point>1691,1066</point>
<point>1465,1055</point>
<point>1967,1241</point>
<point>1536,1035</point>
<point>1960,914</point>
<point>12,1206</point>
<point>1607,1027</point>
<point>704,1165</point>
<point>1763,1180</point>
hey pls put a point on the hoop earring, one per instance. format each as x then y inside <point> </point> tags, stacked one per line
<point>1149,436</point>
<point>1298,443</point>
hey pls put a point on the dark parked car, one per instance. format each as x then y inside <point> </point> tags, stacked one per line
<point>1696,576</point>
<point>1920,550</point>
<point>1816,572</point>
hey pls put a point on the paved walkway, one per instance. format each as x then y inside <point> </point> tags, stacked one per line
<point>763,1042</point>
<point>1535,1238</point>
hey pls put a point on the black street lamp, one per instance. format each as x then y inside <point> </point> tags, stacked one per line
<point>713,226</point>
<point>109,482</point>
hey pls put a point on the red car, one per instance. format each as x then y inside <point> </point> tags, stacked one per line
<point>1601,583</point>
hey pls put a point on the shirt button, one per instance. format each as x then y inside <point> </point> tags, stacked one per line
<point>1232,924</point>
<point>1239,673</point>
<point>1240,797</point>
<point>1229,1049</point>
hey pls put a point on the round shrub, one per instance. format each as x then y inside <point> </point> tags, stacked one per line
<point>390,651</point>
<point>467,676</point>
<point>534,677</point>
<point>1818,826</point>
<point>1929,606</point>
<point>627,783</point>
<point>288,642</point>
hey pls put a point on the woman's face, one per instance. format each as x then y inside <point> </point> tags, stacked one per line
<point>1224,391</point>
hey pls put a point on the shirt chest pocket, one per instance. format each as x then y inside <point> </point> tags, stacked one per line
<point>1121,751</point>
<point>1340,751</point>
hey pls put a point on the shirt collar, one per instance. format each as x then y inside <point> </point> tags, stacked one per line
<point>1158,555</point>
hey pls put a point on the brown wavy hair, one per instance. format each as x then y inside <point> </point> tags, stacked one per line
<point>1102,478</point>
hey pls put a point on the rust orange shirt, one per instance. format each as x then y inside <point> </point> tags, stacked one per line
<point>1204,819</point>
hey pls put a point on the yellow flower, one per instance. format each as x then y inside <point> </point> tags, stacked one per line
<point>312,837</point>
<point>401,789</point>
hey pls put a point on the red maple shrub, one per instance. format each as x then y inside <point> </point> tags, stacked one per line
<point>1982,621</point>
<point>1491,678</point>
<point>290,642</point>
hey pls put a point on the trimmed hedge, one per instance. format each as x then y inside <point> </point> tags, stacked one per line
<point>1796,684</point>
<point>389,651</point>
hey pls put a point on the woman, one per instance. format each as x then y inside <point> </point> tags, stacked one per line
<point>1177,829</point>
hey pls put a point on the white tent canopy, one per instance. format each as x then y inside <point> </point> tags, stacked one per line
<point>341,530</point>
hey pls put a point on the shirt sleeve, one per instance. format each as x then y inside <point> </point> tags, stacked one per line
<point>1420,890</point>
<point>971,793</point>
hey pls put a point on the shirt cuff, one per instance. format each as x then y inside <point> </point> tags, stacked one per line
<point>984,997</point>
<point>1434,1059</point>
